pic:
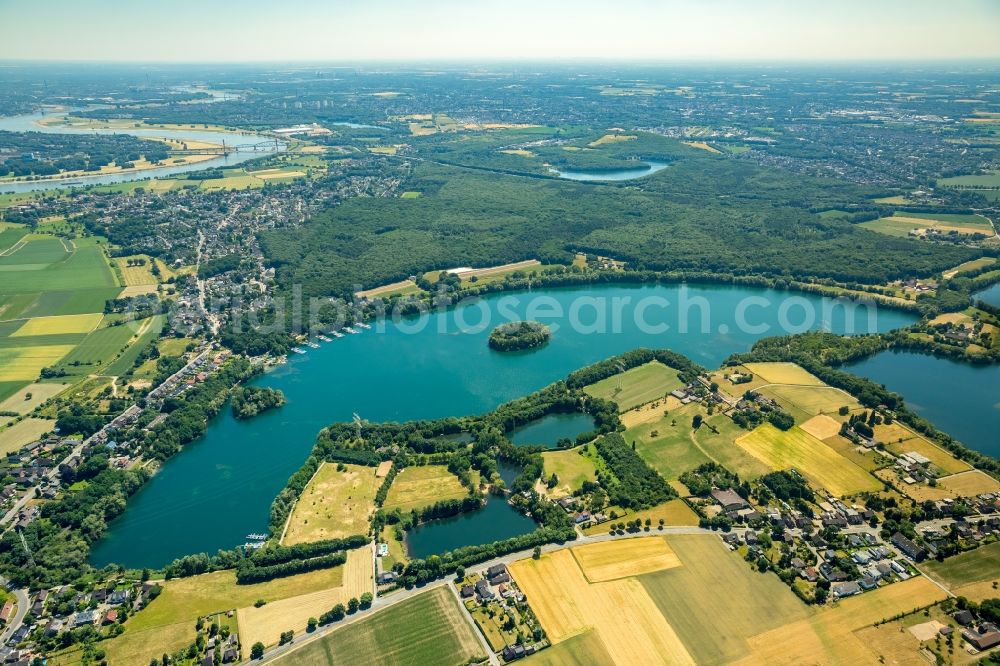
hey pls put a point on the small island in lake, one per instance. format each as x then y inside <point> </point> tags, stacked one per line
<point>517,335</point>
<point>249,401</point>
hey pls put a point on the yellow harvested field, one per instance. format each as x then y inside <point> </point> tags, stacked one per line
<point>135,276</point>
<point>23,432</point>
<point>811,399</point>
<point>266,623</point>
<point>21,403</point>
<point>402,285</point>
<point>25,363</point>
<point>137,648</point>
<point>783,373</point>
<point>279,174</point>
<point>648,413</point>
<point>80,323</point>
<point>334,504</point>
<point>968,266</point>
<point>797,449</point>
<point>621,612</point>
<point>383,469</point>
<point>828,637</point>
<point>621,558</point>
<point>417,487</point>
<point>518,151</point>
<point>674,513</point>
<point>821,426</point>
<point>612,138</point>
<point>701,145</point>
<point>137,290</point>
<point>977,591</point>
<point>952,318</point>
<point>968,484</point>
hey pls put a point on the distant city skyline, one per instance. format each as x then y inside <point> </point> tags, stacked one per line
<point>389,30</point>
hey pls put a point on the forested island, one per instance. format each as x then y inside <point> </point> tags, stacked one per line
<point>249,401</point>
<point>517,335</point>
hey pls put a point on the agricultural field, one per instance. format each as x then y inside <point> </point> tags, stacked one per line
<point>584,649</point>
<point>715,588</point>
<point>136,275</point>
<point>621,612</point>
<point>808,401</point>
<point>60,325</point>
<point>23,432</point>
<point>718,445</point>
<point>417,487</point>
<point>981,564</point>
<point>425,629</point>
<point>975,264</point>
<point>821,426</point>
<point>334,504</point>
<point>622,558</point>
<point>968,484</point>
<point>828,636</point>
<point>668,444</point>
<point>637,386</point>
<point>797,449</point>
<point>146,331</point>
<point>571,467</point>
<point>939,457</point>
<point>901,225</point>
<point>29,397</point>
<point>674,512</point>
<point>972,181</point>
<point>266,623</point>
<point>783,373</point>
<point>167,623</point>
<point>51,264</point>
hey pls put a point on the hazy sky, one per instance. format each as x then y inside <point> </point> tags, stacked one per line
<point>284,30</point>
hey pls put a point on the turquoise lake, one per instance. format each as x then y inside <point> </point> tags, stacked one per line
<point>548,430</point>
<point>220,488</point>
<point>961,399</point>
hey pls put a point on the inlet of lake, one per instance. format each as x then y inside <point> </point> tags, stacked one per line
<point>548,430</point>
<point>959,398</point>
<point>991,295</point>
<point>219,488</point>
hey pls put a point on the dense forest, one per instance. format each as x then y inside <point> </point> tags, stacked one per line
<point>479,218</point>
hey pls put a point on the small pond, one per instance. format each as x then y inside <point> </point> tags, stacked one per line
<point>548,430</point>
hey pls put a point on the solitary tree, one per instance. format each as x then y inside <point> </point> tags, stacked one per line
<point>257,651</point>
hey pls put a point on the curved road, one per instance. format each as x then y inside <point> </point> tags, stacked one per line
<point>21,596</point>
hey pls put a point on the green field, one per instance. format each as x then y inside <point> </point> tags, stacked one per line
<point>715,588</point>
<point>426,629</point>
<point>973,181</point>
<point>9,235</point>
<point>570,467</point>
<point>54,303</point>
<point>667,444</point>
<point>982,563</point>
<point>637,386</point>
<point>43,264</point>
<point>96,350</point>
<point>125,362</point>
<point>720,447</point>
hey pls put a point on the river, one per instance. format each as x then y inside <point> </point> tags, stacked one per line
<point>220,488</point>
<point>959,398</point>
<point>249,145</point>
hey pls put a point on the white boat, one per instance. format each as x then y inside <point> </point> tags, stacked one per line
<point>336,334</point>
<point>364,325</point>
<point>313,345</point>
<point>348,329</point>
<point>298,350</point>
<point>324,338</point>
